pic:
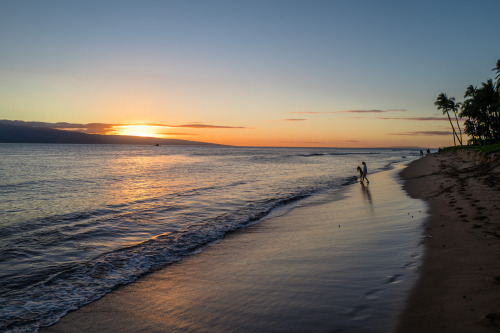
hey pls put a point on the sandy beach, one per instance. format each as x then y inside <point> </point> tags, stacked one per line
<point>459,285</point>
<point>343,262</point>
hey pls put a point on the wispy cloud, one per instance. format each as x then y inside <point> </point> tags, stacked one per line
<point>178,134</point>
<point>372,111</point>
<point>91,128</point>
<point>350,111</point>
<point>407,118</point>
<point>414,118</point>
<point>424,133</point>
<point>200,125</point>
<point>295,119</point>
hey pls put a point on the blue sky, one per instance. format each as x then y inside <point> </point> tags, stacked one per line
<point>251,64</point>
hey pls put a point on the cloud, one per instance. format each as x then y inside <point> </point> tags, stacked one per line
<point>177,134</point>
<point>424,133</point>
<point>91,128</point>
<point>200,125</point>
<point>153,124</point>
<point>101,128</point>
<point>350,111</point>
<point>370,111</point>
<point>408,118</point>
<point>415,118</point>
<point>295,119</point>
<point>194,125</point>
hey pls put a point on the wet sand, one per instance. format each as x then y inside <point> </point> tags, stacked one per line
<point>459,285</point>
<point>342,262</point>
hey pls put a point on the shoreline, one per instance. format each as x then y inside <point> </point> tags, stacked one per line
<point>343,262</point>
<point>458,289</point>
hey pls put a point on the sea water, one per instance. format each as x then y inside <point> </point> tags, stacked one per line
<point>77,221</point>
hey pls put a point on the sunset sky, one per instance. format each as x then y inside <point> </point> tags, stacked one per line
<point>262,73</point>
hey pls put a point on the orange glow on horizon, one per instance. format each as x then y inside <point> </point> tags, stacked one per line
<point>354,133</point>
<point>139,130</point>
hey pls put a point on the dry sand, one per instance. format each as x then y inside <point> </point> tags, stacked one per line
<point>459,286</point>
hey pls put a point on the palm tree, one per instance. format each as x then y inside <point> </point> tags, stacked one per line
<point>490,98</point>
<point>496,101</point>
<point>443,103</point>
<point>454,107</point>
<point>497,69</point>
<point>482,108</point>
<point>468,109</point>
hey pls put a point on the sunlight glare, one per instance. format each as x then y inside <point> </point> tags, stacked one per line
<point>138,130</point>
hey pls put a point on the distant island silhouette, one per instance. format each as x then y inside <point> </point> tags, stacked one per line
<point>10,133</point>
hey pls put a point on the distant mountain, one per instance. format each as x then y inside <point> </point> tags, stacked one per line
<point>26,134</point>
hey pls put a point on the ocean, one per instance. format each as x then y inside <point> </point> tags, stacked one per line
<point>77,221</point>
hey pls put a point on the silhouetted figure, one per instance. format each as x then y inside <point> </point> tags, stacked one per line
<point>421,153</point>
<point>365,172</point>
<point>360,174</point>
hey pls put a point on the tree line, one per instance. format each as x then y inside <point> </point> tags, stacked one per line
<point>480,108</point>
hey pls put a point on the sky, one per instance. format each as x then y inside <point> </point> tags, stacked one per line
<point>353,73</point>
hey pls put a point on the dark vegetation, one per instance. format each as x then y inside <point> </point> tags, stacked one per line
<point>482,149</point>
<point>480,108</point>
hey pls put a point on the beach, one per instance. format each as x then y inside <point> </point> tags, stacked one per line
<point>277,276</point>
<point>459,285</point>
<point>341,262</point>
<point>75,232</point>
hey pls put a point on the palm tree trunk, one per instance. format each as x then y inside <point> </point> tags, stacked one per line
<point>459,129</point>
<point>454,133</point>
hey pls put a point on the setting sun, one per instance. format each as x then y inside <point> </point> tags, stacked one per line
<point>138,130</point>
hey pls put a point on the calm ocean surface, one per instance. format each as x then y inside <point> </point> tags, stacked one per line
<point>79,220</point>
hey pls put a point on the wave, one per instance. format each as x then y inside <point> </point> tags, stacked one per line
<point>89,252</point>
<point>338,154</point>
<point>311,155</point>
<point>49,293</point>
<point>354,153</point>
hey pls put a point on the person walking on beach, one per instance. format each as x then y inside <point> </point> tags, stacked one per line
<point>365,172</point>
<point>360,174</point>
